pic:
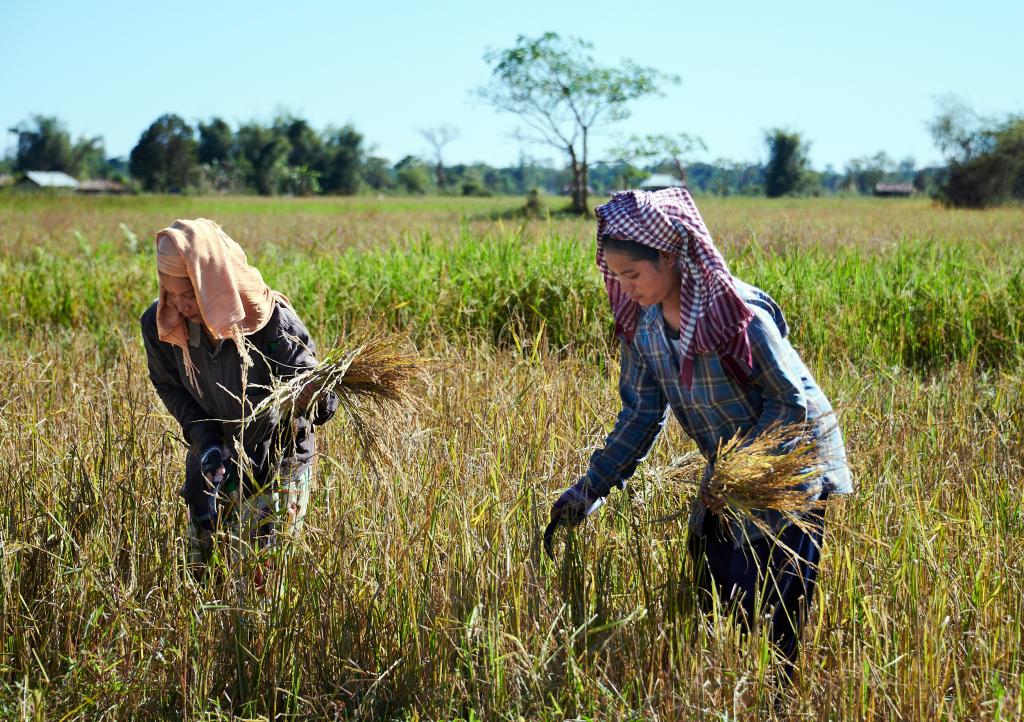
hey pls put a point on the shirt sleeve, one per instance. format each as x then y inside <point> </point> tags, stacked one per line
<point>643,415</point>
<point>784,402</point>
<point>291,352</point>
<point>195,423</point>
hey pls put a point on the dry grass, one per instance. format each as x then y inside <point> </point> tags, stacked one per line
<point>422,592</point>
<point>372,380</point>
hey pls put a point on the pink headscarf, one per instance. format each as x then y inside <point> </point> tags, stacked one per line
<point>233,299</point>
<point>713,316</point>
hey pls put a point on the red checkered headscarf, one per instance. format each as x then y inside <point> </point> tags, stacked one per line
<point>712,315</point>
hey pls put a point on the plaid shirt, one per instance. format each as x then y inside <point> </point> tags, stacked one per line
<point>716,408</point>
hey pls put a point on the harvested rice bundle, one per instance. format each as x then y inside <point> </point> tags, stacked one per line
<point>371,382</point>
<point>779,470</point>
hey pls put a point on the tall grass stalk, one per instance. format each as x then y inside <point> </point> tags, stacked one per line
<point>422,593</point>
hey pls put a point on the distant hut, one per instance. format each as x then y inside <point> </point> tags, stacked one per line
<point>97,186</point>
<point>894,190</point>
<point>661,181</point>
<point>48,180</point>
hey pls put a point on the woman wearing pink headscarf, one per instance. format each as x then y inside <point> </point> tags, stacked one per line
<point>216,339</point>
<point>711,349</point>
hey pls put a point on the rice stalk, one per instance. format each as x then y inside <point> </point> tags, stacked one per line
<point>778,470</point>
<point>372,383</point>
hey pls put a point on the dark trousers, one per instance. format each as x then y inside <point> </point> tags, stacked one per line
<point>761,573</point>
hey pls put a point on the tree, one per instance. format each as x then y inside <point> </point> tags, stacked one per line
<point>474,183</point>
<point>724,176</point>
<point>306,145</point>
<point>992,175</point>
<point>957,130</point>
<point>45,144</point>
<point>562,95</point>
<point>787,163</point>
<point>305,159</point>
<point>343,161</point>
<point>377,174</point>
<point>618,173</point>
<point>438,138</point>
<point>300,180</point>
<point>928,180</point>
<point>985,156</point>
<point>412,176</point>
<point>831,180</point>
<point>88,159</point>
<point>863,174</point>
<point>262,154</point>
<point>218,170</point>
<point>673,148</point>
<point>166,156</point>
<point>906,169</point>
<point>215,140</point>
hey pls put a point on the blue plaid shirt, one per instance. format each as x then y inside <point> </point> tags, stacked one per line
<point>782,391</point>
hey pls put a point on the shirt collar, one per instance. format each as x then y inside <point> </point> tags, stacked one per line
<point>650,316</point>
<point>195,334</point>
<point>195,339</point>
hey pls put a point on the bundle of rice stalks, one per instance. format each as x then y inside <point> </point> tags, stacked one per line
<point>779,470</point>
<point>371,381</point>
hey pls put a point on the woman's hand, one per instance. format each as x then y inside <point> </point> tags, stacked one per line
<point>212,460</point>
<point>300,406</point>
<point>713,502</point>
<point>575,504</point>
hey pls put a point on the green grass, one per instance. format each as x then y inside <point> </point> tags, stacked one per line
<point>422,593</point>
<point>920,303</point>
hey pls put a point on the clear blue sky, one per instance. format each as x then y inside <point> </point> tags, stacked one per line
<point>853,77</point>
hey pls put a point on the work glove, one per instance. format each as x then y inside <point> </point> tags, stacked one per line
<point>574,505</point>
<point>212,461</point>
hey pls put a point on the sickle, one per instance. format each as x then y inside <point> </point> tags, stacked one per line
<point>549,538</point>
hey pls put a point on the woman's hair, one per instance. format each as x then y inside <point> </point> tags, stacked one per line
<point>635,251</point>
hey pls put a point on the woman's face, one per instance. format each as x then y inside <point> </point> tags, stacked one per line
<point>646,282</point>
<point>182,296</point>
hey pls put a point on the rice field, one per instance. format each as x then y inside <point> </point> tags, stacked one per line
<point>420,590</point>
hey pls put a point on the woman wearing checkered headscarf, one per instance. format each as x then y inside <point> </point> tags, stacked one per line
<point>711,349</point>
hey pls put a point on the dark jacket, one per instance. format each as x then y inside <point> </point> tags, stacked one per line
<point>280,350</point>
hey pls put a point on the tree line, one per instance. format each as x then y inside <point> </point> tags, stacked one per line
<point>285,156</point>
<point>289,157</point>
<point>562,96</point>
